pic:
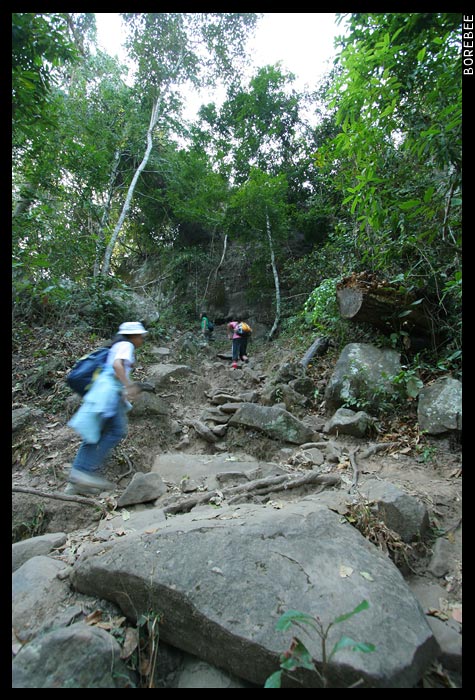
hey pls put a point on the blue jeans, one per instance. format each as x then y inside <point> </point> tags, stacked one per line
<point>239,348</point>
<point>91,458</point>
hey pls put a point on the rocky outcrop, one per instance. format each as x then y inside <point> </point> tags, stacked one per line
<point>362,376</point>
<point>439,408</point>
<point>275,422</point>
<point>222,581</point>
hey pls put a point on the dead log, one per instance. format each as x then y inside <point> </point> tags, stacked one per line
<point>318,347</point>
<point>364,299</point>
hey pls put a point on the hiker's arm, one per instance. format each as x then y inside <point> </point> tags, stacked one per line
<point>120,373</point>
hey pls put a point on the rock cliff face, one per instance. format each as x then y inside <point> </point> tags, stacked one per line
<point>231,291</point>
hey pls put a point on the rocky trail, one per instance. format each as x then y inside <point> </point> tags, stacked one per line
<point>204,487</point>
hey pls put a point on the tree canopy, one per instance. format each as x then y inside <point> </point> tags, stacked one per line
<point>106,169</point>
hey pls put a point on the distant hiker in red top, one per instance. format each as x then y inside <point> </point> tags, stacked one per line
<point>239,332</point>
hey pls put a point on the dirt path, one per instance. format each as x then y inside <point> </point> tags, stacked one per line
<point>45,446</point>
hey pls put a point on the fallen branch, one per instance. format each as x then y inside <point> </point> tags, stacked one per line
<point>258,487</point>
<point>61,497</point>
<point>356,471</point>
<point>318,347</point>
<point>378,447</point>
<point>129,470</point>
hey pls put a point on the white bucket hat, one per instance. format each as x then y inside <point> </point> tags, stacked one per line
<point>132,328</point>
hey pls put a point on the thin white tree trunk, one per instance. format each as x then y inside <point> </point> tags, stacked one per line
<point>217,269</point>
<point>276,280</point>
<point>106,213</point>
<point>128,199</point>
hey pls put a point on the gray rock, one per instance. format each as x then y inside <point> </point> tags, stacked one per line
<point>142,489</point>
<point>22,416</point>
<point>275,422</point>
<point>439,564</point>
<point>362,373</point>
<point>439,407</point>
<point>79,656</point>
<point>399,511</point>
<point>224,578</point>
<point>196,673</point>
<point>348,422</point>
<point>35,546</point>
<point>37,595</point>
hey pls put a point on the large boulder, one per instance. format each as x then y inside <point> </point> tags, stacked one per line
<point>275,422</point>
<point>362,376</point>
<point>221,580</point>
<point>439,407</point>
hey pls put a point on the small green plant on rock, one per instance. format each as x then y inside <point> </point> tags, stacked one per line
<point>298,656</point>
<point>148,625</point>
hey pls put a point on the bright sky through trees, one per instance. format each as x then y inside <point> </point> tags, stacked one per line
<point>303,42</point>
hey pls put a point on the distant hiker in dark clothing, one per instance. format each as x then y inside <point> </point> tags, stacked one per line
<point>207,326</point>
<point>239,332</point>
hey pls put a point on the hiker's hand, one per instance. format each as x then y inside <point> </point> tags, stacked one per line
<point>132,391</point>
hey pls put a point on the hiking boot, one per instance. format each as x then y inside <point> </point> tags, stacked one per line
<point>234,365</point>
<point>245,358</point>
<point>76,490</point>
<point>90,480</point>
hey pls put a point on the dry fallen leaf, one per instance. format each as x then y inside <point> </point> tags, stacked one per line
<point>345,571</point>
<point>437,613</point>
<point>94,617</point>
<point>114,623</point>
<point>120,531</point>
<point>130,642</point>
<point>367,576</point>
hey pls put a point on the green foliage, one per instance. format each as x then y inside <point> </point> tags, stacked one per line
<point>145,658</point>
<point>321,306</point>
<point>40,44</point>
<point>298,656</point>
<point>398,153</point>
<point>374,185</point>
<point>63,303</point>
<point>410,381</point>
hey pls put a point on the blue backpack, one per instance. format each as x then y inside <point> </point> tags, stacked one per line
<point>86,370</point>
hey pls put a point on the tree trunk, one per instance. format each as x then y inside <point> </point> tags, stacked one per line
<point>106,214</point>
<point>225,244</point>
<point>276,280</point>
<point>361,298</point>
<point>318,347</point>
<point>27,195</point>
<point>128,200</point>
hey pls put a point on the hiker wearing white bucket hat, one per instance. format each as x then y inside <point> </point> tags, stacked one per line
<point>102,420</point>
<point>132,328</point>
